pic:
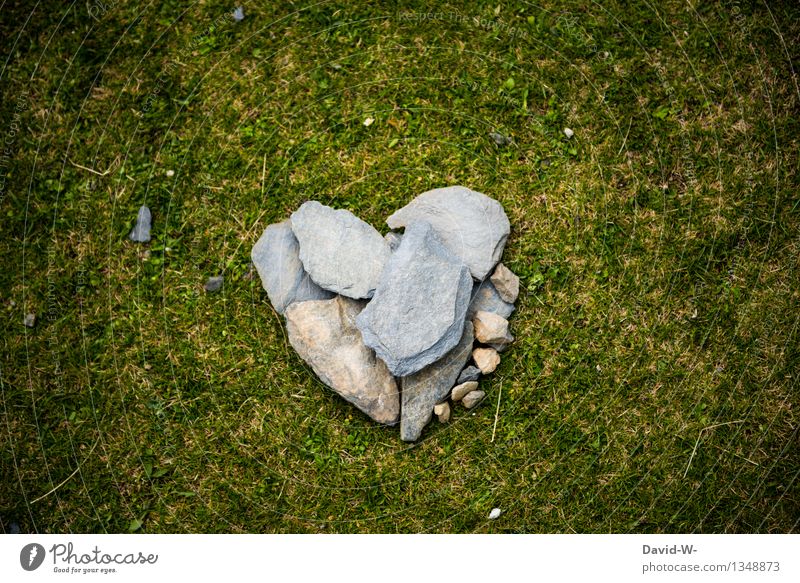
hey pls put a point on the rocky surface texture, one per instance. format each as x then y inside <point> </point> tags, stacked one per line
<point>423,390</point>
<point>417,314</point>
<point>391,323</point>
<point>324,334</point>
<point>472,225</point>
<point>340,252</point>
<point>485,298</point>
<point>276,256</point>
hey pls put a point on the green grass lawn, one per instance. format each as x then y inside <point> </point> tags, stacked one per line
<point>653,385</point>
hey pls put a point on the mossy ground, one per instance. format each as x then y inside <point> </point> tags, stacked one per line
<point>653,386</point>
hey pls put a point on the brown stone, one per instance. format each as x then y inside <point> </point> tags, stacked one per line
<point>324,334</point>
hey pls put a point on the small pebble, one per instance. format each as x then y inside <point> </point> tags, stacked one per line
<point>238,14</point>
<point>495,514</point>
<point>472,398</point>
<point>487,359</point>
<point>462,390</point>
<point>442,412</point>
<point>170,173</point>
<point>30,320</point>
<point>568,132</point>
<point>500,139</point>
<point>141,231</point>
<point>368,122</point>
<point>214,283</point>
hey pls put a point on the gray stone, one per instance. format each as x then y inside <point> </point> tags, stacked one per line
<point>487,359</point>
<point>485,298</point>
<point>340,252</point>
<point>393,238</point>
<point>506,283</point>
<point>431,385</point>
<point>324,334</point>
<point>471,373</point>
<point>472,225</point>
<point>277,260</point>
<point>472,399</point>
<point>442,412</point>
<point>462,390</point>
<point>500,139</point>
<point>238,14</point>
<point>491,328</point>
<point>141,230</point>
<point>29,320</point>
<point>419,308</point>
<point>502,347</point>
<point>214,284</point>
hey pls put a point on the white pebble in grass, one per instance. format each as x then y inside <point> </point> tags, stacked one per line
<point>495,514</point>
<point>368,122</point>
<point>170,173</point>
<point>568,132</point>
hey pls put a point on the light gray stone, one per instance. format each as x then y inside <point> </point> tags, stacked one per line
<point>442,412</point>
<point>487,359</point>
<point>472,399</point>
<point>462,390</point>
<point>471,225</point>
<point>506,283</point>
<point>324,334</point>
<point>393,238</point>
<point>340,252</point>
<point>29,320</point>
<point>141,230</point>
<point>419,308</point>
<point>214,284</point>
<point>277,260</point>
<point>471,373</point>
<point>485,298</point>
<point>491,328</point>
<point>431,385</point>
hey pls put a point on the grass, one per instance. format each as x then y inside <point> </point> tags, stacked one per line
<point>653,386</point>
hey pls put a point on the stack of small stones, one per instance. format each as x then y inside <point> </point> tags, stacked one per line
<point>390,323</point>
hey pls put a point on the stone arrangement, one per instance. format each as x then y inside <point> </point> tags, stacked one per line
<point>391,323</point>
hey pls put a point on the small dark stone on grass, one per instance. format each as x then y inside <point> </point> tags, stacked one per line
<point>500,139</point>
<point>214,284</point>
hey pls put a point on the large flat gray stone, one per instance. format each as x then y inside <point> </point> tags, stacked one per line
<point>423,390</point>
<point>417,314</point>
<point>340,252</point>
<point>324,334</point>
<point>276,257</point>
<point>471,225</point>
